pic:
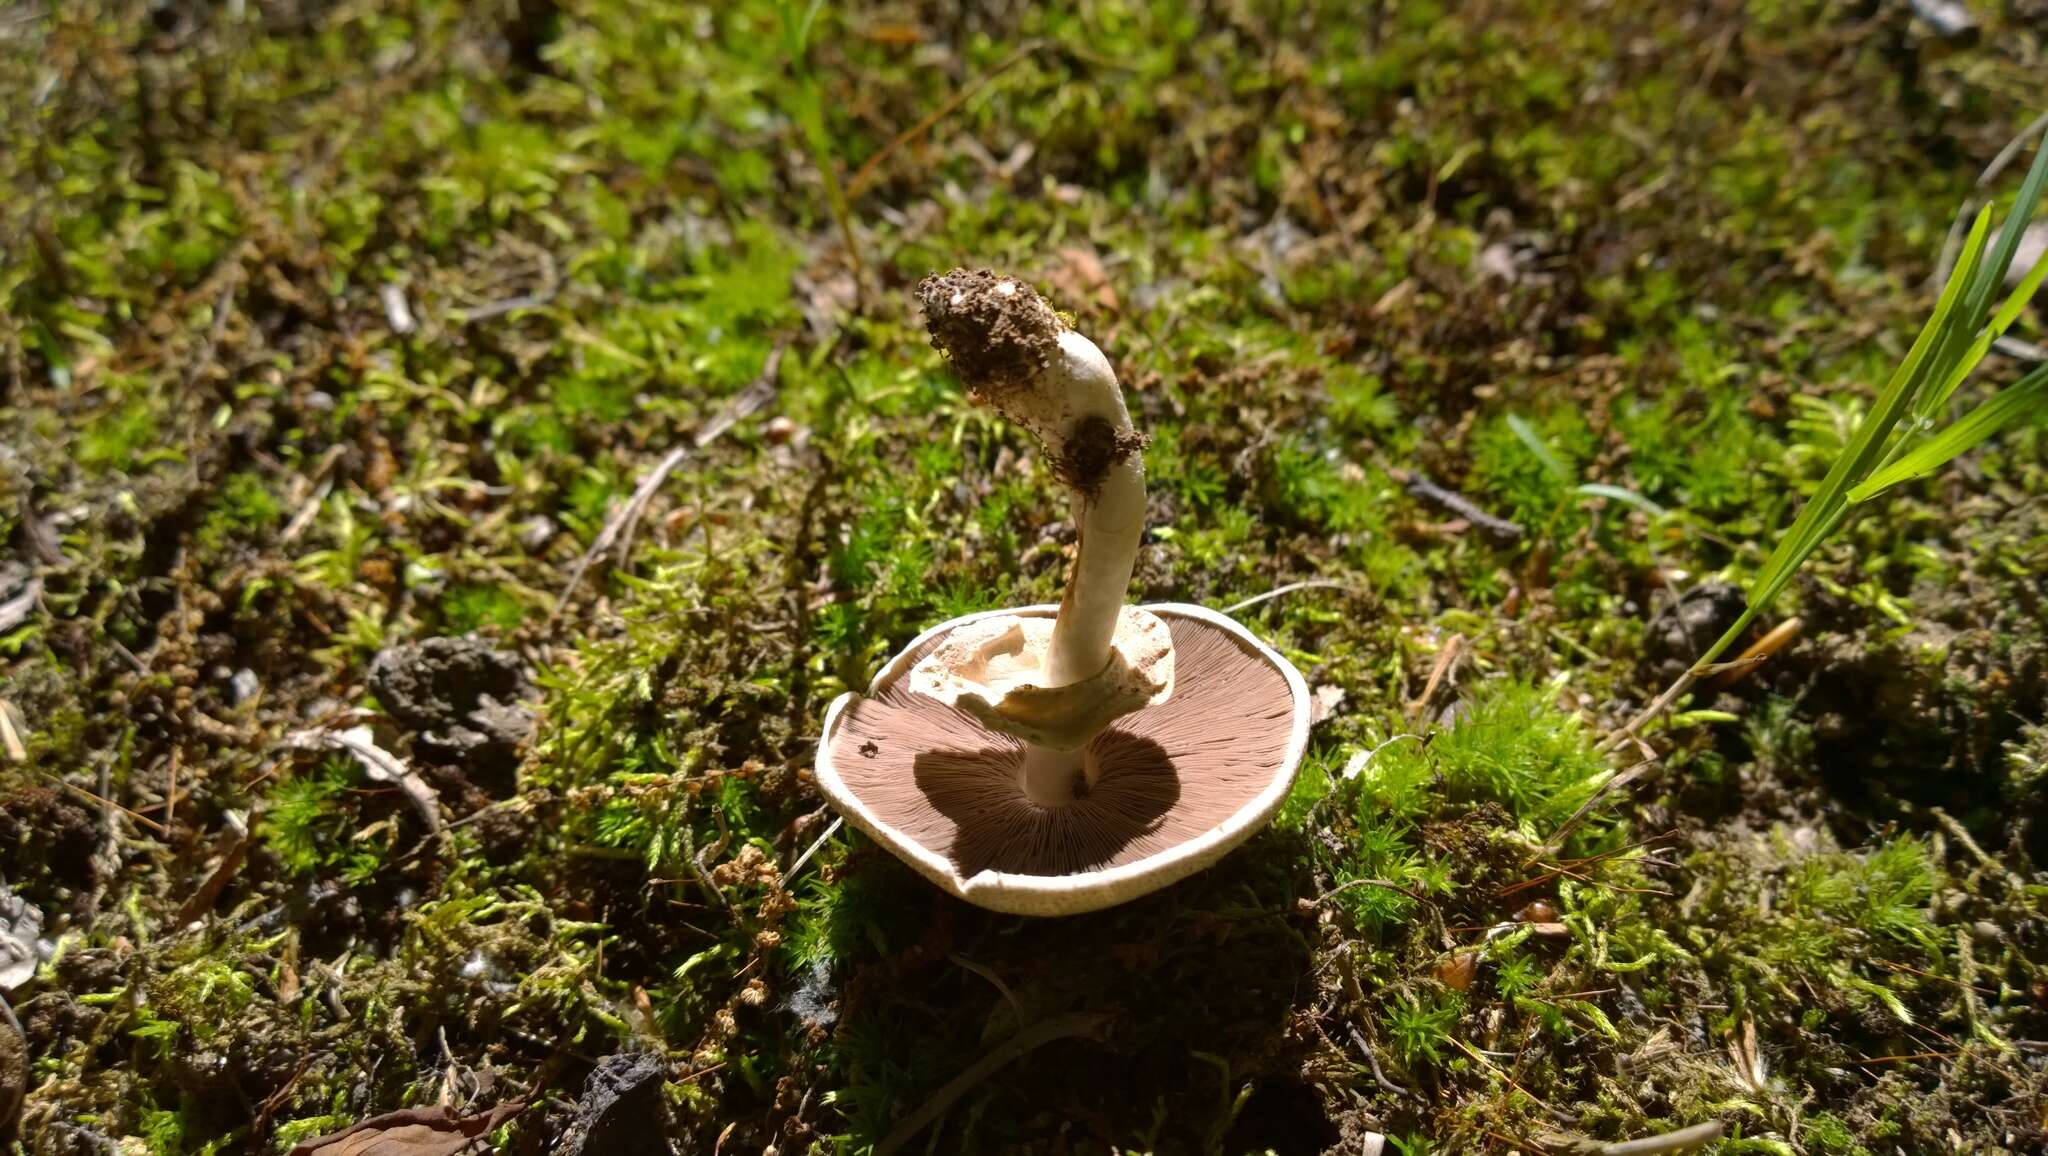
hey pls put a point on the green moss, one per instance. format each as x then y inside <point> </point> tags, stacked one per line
<point>127,439</point>
<point>1420,1026</point>
<point>245,509</point>
<point>468,608</point>
<point>1516,748</point>
<point>303,823</point>
<point>1717,228</point>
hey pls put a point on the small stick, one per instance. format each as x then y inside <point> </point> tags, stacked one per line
<point>1780,636</point>
<point>223,307</point>
<point>694,862</point>
<point>810,851</point>
<point>1475,1053</point>
<point>1334,892</point>
<point>620,528</point>
<point>1291,587</point>
<point>379,764</point>
<point>1446,662</point>
<point>1627,730</point>
<point>1962,835</point>
<point>865,175</point>
<point>1683,1140</point>
<point>1616,783</point>
<point>234,847</point>
<point>1906,1058</point>
<point>1373,1060</point>
<point>508,305</point>
<point>321,484</point>
<point>1357,764</point>
<point>995,980</point>
<point>1493,524</point>
<point>2019,350</point>
<point>112,806</point>
<point>1085,1024</point>
<point>171,786</point>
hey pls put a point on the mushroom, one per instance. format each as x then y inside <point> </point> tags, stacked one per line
<point>1048,760</point>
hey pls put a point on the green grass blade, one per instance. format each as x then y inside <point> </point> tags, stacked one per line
<point>1539,447</point>
<point>2011,406</point>
<point>1932,400</point>
<point>2016,222</point>
<point>1764,591</point>
<point>1822,512</point>
<point>1988,276</point>
<point>1827,520</point>
<point>1618,494</point>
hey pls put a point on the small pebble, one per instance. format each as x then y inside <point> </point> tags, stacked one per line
<point>535,533</point>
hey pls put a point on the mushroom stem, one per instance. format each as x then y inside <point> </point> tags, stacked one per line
<point>1058,683</point>
<point>1053,778</point>
<point>1019,358</point>
<point>1109,515</point>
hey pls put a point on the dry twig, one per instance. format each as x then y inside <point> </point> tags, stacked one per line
<point>1089,1025</point>
<point>1291,587</point>
<point>622,524</point>
<point>865,175</point>
<point>379,764</point>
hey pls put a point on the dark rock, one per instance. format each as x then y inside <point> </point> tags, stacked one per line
<point>621,1112</point>
<point>13,1076</point>
<point>1683,631</point>
<point>462,701</point>
<point>53,1019</point>
<point>201,1073</point>
<point>85,971</point>
<point>437,682</point>
<point>45,835</point>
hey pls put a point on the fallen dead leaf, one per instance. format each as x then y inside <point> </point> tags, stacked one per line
<point>1079,276</point>
<point>411,1132</point>
<point>381,765</point>
<point>16,610</point>
<point>1324,702</point>
<point>232,847</point>
<point>21,925</point>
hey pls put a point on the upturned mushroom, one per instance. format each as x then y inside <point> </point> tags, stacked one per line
<point>1049,760</point>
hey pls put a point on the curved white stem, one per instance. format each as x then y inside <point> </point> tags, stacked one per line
<point>1053,684</point>
<point>1110,521</point>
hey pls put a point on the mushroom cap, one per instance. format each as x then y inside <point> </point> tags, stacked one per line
<point>1176,784</point>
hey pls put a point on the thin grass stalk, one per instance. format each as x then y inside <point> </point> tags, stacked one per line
<point>1949,348</point>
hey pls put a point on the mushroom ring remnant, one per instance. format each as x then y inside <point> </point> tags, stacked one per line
<point>1159,793</point>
